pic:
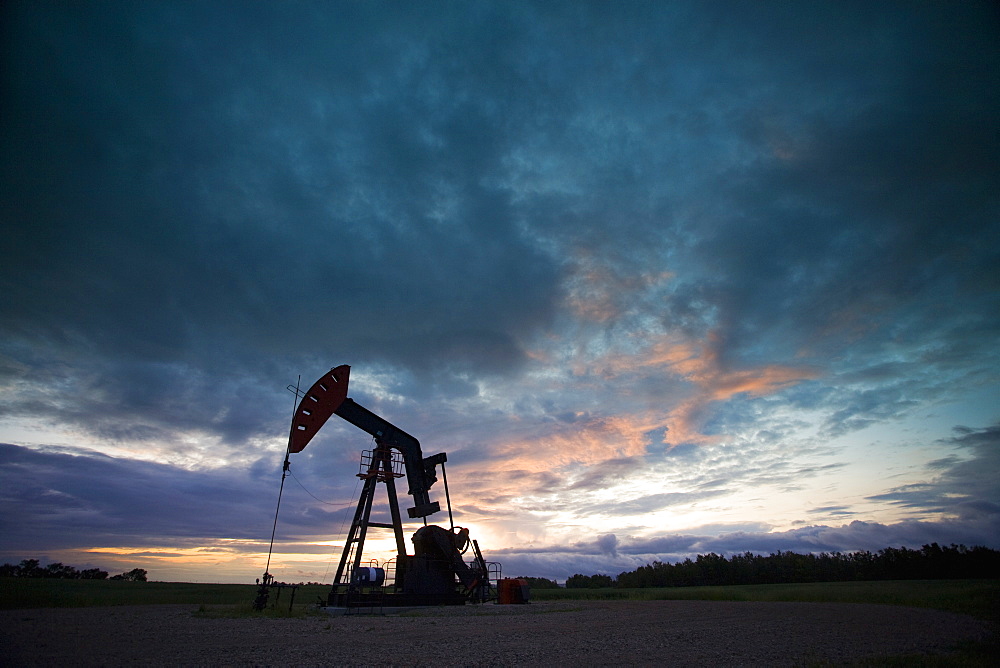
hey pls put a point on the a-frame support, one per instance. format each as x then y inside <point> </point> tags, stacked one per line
<point>381,467</point>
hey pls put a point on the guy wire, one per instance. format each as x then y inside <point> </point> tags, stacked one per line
<point>284,473</point>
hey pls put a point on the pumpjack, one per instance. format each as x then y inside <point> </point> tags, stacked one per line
<point>436,573</point>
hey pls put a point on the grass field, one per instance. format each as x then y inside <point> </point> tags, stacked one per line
<point>54,593</point>
<point>979,598</point>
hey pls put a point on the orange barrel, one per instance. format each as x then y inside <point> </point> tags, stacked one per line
<point>513,590</point>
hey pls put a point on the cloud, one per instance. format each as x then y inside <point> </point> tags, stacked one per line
<point>185,252</point>
<point>408,209</point>
<point>560,240</point>
<point>953,492</point>
<point>607,544</point>
<point>964,484</point>
<point>59,502</point>
<point>558,562</point>
<point>647,504</point>
<point>61,498</point>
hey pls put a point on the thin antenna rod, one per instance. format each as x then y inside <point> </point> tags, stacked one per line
<point>284,474</point>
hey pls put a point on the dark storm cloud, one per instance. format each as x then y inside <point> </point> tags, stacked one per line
<point>218,185</point>
<point>197,188</point>
<point>61,498</point>
<point>225,200</point>
<point>866,211</point>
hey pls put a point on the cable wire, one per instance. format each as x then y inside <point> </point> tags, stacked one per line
<point>284,471</point>
<point>343,521</point>
<point>325,503</point>
<point>267,568</point>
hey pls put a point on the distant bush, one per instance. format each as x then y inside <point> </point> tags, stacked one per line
<point>579,581</point>
<point>539,583</point>
<point>134,575</point>
<point>31,568</point>
<point>931,562</point>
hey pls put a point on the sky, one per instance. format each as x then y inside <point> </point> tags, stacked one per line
<point>661,278</point>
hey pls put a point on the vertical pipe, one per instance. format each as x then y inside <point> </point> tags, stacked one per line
<point>447,497</point>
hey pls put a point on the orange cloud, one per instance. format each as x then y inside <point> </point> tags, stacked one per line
<point>586,442</point>
<point>697,370</point>
<point>714,382</point>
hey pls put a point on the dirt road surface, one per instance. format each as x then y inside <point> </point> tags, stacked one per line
<point>577,633</point>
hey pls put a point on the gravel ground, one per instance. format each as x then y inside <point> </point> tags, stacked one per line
<point>578,633</point>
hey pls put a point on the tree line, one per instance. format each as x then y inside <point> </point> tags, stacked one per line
<point>32,568</point>
<point>930,562</point>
